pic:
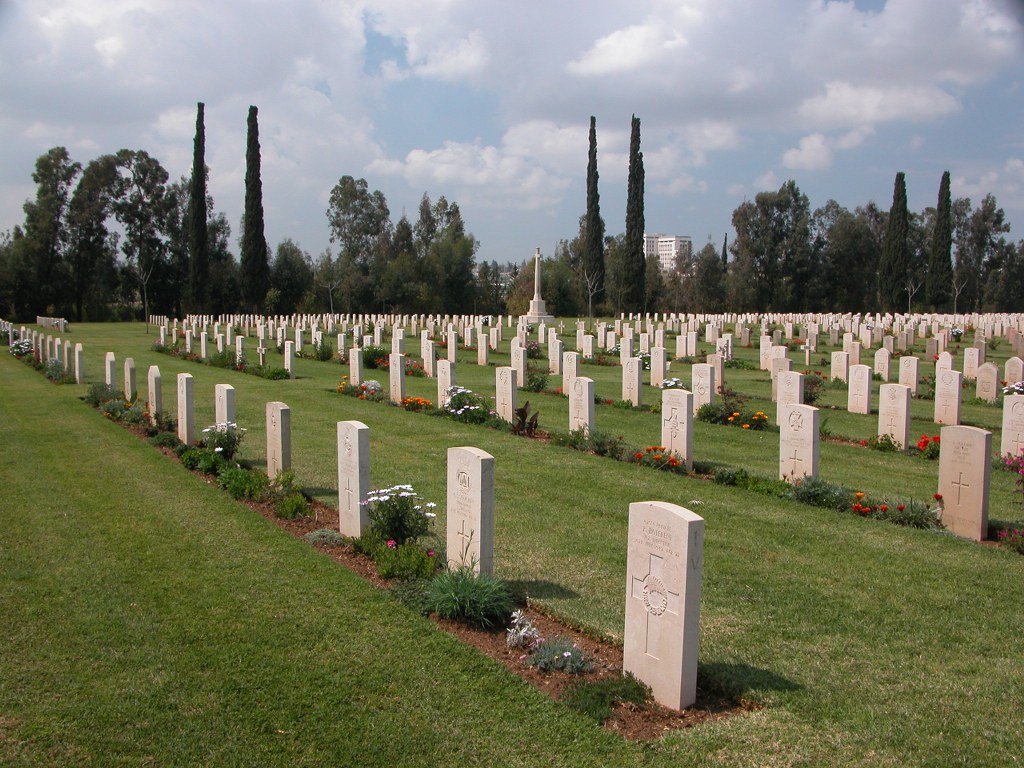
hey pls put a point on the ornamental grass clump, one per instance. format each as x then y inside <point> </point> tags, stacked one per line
<point>560,654</point>
<point>460,594</point>
<point>399,514</point>
<point>327,537</point>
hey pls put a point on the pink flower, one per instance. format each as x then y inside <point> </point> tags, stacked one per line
<point>392,544</point>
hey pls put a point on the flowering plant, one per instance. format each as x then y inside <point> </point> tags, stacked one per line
<point>929,447</point>
<point>673,383</point>
<point>659,457</point>
<point>957,334</point>
<point>399,514</point>
<point>1010,389</point>
<point>415,403</point>
<point>223,438</point>
<point>21,347</point>
<point>466,406</point>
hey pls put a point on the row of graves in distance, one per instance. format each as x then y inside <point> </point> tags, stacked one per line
<point>798,455</point>
<point>665,541</point>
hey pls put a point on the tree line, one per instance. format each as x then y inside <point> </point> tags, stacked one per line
<point>116,240</point>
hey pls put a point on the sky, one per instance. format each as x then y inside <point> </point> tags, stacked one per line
<point>488,103</point>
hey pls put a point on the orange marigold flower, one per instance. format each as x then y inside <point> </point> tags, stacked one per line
<point>746,426</point>
<point>658,457</point>
<point>638,456</point>
<point>859,495</point>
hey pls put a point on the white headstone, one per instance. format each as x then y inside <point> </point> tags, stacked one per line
<point>677,424</point>
<point>224,403</point>
<point>947,396</point>
<point>965,465</point>
<point>664,566</point>
<point>506,385</point>
<point>279,439</point>
<point>581,404</point>
<point>1012,435</point>
<point>894,413</point>
<point>186,409</point>
<point>798,442</point>
<point>155,399</point>
<point>470,509</point>
<point>353,477</point>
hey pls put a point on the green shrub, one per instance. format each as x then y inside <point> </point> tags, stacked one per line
<point>369,544</point>
<point>202,460</point>
<point>242,483</point>
<point>113,409</point>
<point>322,350</point>
<point>731,476</point>
<point>405,561</point>
<point>559,654</point>
<point>165,440</point>
<point>135,414</point>
<point>327,537</point>
<point>101,393</point>
<point>821,493</point>
<point>536,379</point>
<point>55,372</point>
<point>479,599</point>
<point>606,444</point>
<point>292,506</point>
<point>373,355</point>
<point>225,359</point>
<point>597,698</point>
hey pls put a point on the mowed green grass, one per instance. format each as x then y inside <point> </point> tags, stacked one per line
<point>868,644</point>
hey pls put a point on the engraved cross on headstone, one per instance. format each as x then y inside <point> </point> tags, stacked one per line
<point>657,599</point>
<point>795,458</point>
<point>960,485</point>
<point>672,422</point>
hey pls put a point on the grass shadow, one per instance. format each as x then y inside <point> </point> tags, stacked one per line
<point>739,681</point>
<point>540,589</point>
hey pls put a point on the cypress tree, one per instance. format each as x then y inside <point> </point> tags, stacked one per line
<point>940,263</point>
<point>593,240</point>
<point>892,267</point>
<point>634,263</point>
<point>255,267</point>
<point>198,249</point>
<point>725,250</point>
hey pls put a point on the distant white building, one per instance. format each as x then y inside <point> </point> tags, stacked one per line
<point>667,248</point>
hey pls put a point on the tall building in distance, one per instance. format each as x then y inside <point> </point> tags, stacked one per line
<point>667,248</point>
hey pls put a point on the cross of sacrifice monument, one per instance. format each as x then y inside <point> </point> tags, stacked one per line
<point>538,312</point>
<point>657,600</point>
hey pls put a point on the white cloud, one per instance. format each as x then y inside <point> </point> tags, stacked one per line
<point>813,154</point>
<point>845,104</point>
<point>628,49</point>
<point>524,172</point>
<point>767,180</point>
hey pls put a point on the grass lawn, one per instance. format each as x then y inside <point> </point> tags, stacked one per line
<point>149,618</point>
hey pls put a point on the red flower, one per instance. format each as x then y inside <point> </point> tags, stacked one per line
<point>863,442</point>
<point>884,508</point>
<point>901,507</point>
<point>937,497</point>
<point>638,456</point>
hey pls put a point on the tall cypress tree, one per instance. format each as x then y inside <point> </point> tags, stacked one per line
<point>593,238</point>
<point>892,266</point>
<point>198,249</point>
<point>940,256</point>
<point>255,265</point>
<point>634,263</point>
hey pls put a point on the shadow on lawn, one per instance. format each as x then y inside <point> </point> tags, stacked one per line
<point>540,589</point>
<point>739,680</point>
